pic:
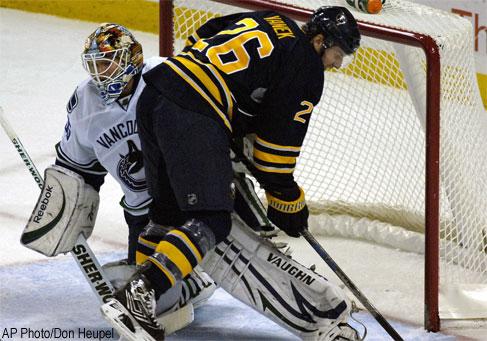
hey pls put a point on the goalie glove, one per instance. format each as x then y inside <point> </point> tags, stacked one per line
<point>288,210</point>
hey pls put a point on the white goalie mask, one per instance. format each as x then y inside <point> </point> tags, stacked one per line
<point>112,57</point>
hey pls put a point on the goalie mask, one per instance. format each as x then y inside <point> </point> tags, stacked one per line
<point>112,57</point>
<point>339,28</point>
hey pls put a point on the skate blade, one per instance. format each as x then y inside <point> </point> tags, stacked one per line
<point>123,322</point>
<point>177,319</point>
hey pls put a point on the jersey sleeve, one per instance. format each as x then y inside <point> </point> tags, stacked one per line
<point>73,152</point>
<point>284,122</point>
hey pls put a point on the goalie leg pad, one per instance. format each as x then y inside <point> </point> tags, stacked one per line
<point>255,272</point>
<point>66,207</point>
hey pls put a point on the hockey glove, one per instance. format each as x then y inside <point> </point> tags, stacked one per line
<point>288,211</point>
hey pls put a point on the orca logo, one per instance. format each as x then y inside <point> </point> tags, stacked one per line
<point>129,168</point>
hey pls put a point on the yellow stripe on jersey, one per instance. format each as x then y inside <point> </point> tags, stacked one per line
<point>147,243</point>
<point>166,272</point>
<point>202,76</point>
<point>188,41</point>
<point>176,256</point>
<point>140,257</point>
<point>274,169</point>
<point>273,157</point>
<point>277,146</point>
<point>189,243</point>
<point>223,84</point>
<point>200,91</point>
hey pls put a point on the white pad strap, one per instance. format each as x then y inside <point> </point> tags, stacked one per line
<point>66,207</point>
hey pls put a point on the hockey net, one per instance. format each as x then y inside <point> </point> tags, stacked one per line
<point>396,150</point>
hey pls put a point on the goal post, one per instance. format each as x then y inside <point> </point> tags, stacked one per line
<point>398,139</point>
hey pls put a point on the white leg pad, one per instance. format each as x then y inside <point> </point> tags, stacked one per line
<point>252,270</point>
<point>178,319</point>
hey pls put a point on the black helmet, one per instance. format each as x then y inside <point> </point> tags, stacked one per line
<point>338,26</point>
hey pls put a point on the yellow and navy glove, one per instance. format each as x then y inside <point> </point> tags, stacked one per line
<point>287,209</point>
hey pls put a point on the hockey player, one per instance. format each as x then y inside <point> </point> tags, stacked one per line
<point>101,136</point>
<point>249,73</point>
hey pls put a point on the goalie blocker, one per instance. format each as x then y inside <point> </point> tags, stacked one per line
<point>66,207</point>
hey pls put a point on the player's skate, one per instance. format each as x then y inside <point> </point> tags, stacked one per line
<point>132,312</point>
<point>342,332</point>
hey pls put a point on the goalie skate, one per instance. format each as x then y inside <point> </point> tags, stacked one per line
<point>123,322</point>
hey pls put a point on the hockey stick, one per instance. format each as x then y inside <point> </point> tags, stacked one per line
<point>350,285</point>
<point>82,253</point>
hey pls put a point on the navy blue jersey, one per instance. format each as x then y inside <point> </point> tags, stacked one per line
<point>255,73</point>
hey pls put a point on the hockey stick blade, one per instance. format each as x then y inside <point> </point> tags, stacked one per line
<point>123,322</point>
<point>351,286</point>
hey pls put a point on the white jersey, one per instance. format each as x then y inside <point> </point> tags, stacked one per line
<point>100,138</point>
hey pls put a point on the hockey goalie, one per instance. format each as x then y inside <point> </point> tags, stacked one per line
<point>99,138</point>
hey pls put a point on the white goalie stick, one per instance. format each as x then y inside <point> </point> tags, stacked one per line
<point>82,253</point>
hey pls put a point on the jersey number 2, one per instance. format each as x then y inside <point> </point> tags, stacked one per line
<point>308,110</point>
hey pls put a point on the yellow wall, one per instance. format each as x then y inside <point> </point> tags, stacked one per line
<point>138,15</point>
<point>482,80</point>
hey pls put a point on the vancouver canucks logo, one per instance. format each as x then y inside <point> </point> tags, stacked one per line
<point>129,168</point>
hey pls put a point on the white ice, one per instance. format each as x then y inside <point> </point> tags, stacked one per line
<point>40,60</point>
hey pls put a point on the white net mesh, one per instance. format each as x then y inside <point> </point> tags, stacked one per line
<point>364,155</point>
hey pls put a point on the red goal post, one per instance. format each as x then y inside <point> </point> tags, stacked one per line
<point>432,111</point>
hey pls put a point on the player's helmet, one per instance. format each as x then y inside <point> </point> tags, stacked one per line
<point>112,57</point>
<point>338,26</point>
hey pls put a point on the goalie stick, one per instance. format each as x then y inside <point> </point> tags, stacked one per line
<point>350,285</point>
<point>82,253</point>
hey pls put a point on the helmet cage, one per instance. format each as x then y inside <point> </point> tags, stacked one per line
<point>105,67</point>
<point>111,56</point>
<point>110,71</point>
